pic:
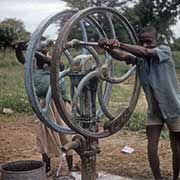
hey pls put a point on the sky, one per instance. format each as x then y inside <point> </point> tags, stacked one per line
<point>32,12</point>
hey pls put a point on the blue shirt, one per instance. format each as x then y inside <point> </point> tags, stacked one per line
<point>158,79</point>
<point>41,80</point>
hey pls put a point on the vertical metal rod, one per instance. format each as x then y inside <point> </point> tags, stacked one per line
<point>89,168</point>
<point>88,160</point>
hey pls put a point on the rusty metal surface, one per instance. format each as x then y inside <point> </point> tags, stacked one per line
<point>124,116</point>
<point>81,16</point>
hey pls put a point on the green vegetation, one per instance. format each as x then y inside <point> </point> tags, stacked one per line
<point>12,31</point>
<point>12,92</point>
<point>160,14</point>
<point>176,57</point>
<point>138,123</point>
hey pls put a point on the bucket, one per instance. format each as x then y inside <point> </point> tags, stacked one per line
<point>23,170</point>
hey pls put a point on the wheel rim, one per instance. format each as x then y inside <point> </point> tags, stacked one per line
<point>121,119</point>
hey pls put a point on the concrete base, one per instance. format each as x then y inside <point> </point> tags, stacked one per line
<point>101,176</point>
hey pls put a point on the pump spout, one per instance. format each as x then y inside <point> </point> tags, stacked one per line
<point>71,145</point>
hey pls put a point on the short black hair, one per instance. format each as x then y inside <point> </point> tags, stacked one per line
<point>149,29</point>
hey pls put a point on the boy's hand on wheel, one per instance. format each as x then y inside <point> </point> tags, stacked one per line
<point>109,43</point>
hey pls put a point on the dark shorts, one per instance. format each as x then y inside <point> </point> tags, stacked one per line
<point>173,124</point>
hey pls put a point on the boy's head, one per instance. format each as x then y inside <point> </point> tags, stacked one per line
<point>148,37</point>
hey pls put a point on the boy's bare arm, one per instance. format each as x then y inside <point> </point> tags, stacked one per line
<point>140,51</point>
<point>137,50</point>
<point>122,55</point>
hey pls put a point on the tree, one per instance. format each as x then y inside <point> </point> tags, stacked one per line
<point>81,4</point>
<point>161,14</point>
<point>176,45</point>
<point>11,31</point>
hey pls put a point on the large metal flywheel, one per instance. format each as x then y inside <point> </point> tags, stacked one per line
<point>111,88</point>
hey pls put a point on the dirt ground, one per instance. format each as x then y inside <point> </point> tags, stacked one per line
<point>17,142</point>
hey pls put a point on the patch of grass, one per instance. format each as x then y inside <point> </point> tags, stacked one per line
<point>12,91</point>
<point>176,57</point>
<point>137,122</point>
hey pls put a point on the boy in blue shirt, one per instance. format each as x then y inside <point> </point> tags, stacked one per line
<point>156,72</point>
